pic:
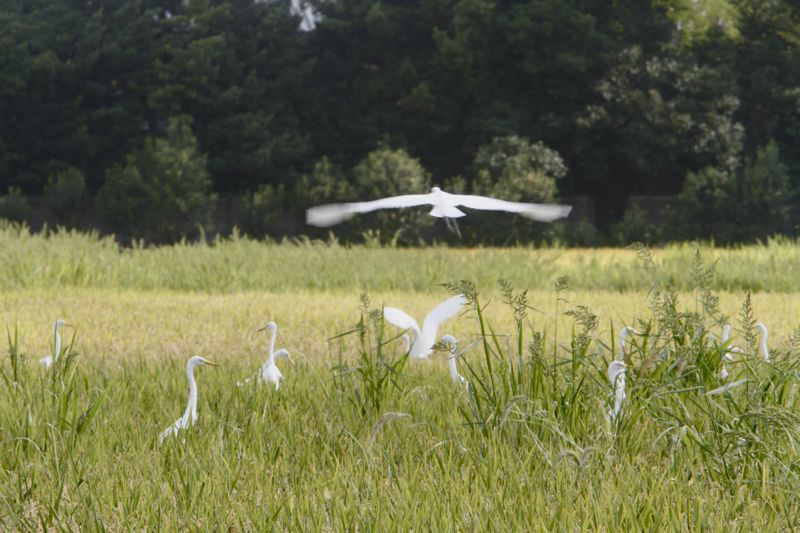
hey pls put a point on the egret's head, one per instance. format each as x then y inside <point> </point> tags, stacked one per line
<point>762,328</point>
<point>271,326</point>
<point>450,342</point>
<point>285,354</point>
<point>199,361</point>
<point>61,322</point>
<point>615,368</point>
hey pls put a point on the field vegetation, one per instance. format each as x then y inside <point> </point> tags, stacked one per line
<point>358,437</point>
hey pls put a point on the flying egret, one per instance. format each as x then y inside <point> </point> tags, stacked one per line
<point>189,417</point>
<point>269,371</point>
<point>762,328</point>
<point>445,205</point>
<point>452,346</point>
<point>50,359</point>
<point>616,375</point>
<point>425,338</point>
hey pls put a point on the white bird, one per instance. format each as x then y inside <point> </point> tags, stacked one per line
<point>189,417</point>
<point>445,205</point>
<point>451,359</point>
<point>763,344</point>
<point>50,359</point>
<point>623,335</point>
<point>425,338</point>
<point>270,372</point>
<point>616,375</point>
<point>728,356</point>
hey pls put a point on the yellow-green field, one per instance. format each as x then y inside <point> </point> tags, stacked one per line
<point>358,437</point>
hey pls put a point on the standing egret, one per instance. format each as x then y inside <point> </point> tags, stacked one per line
<point>729,351</point>
<point>623,336</point>
<point>50,359</point>
<point>445,205</point>
<point>616,375</point>
<point>425,338</point>
<point>452,346</point>
<point>762,328</point>
<point>269,371</point>
<point>189,417</point>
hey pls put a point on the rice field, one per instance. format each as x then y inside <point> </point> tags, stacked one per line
<point>358,437</point>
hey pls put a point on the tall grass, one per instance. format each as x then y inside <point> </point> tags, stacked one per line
<point>58,259</point>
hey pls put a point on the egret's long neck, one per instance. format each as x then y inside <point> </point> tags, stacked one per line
<point>191,406</point>
<point>764,349</point>
<point>451,363</point>
<point>619,392</point>
<point>57,343</point>
<point>272,346</point>
<point>623,335</point>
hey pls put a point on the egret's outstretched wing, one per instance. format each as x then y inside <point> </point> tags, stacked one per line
<point>444,311</point>
<point>540,212</point>
<point>330,214</point>
<point>403,320</point>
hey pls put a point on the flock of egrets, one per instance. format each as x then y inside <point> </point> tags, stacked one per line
<point>419,341</point>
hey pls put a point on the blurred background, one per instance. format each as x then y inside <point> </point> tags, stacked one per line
<point>659,120</point>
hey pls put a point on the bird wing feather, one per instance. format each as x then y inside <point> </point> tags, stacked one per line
<point>540,212</point>
<point>330,214</point>
<point>444,311</point>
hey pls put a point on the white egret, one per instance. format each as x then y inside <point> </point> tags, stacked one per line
<point>425,338</point>
<point>623,335</point>
<point>445,205</point>
<point>189,417</point>
<point>452,346</point>
<point>728,356</point>
<point>616,375</point>
<point>270,372</point>
<point>762,328</point>
<point>50,359</point>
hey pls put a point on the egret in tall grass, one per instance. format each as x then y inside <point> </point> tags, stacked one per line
<point>50,359</point>
<point>762,328</point>
<point>729,351</point>
<point>270,372</point>
<point>452,347</point>
<point>424,339</point>
<point>445,205</point>
<point>616,375</point>
<point>189,417</point>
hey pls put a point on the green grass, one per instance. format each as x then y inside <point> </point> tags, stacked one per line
<point>358,438</point>
<point>62,259</point>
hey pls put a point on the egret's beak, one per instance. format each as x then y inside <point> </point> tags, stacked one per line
<point>212,363</point>
<point>262,329</point>
<point>64,324</point>
<point>289,358</point>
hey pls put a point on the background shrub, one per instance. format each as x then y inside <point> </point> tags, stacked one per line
<point>14,206</point>
<point>161,192</point>
<point>66,194</point>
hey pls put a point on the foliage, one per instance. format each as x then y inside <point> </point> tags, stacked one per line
<point>742,206</point>
<point>259,210</point>
<point>14,206</point>
<point>66,194</point>
<point>161,193</point>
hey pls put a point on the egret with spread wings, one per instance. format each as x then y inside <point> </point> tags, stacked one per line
<point>445,205</point>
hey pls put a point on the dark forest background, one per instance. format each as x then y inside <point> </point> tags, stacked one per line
<point>143,117</point>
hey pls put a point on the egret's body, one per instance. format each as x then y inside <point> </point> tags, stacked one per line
<point>451,359</point>
<point>189,417</point>
<point>616,374</point>
<point>728,356</point>
<point>47,361</point>
<point>762,328</point>
<point>444,205</point>
<point>424,338</point>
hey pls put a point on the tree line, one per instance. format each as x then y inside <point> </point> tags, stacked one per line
<point>149,109</point>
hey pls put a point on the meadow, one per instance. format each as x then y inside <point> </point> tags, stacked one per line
<point>360,438</point>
